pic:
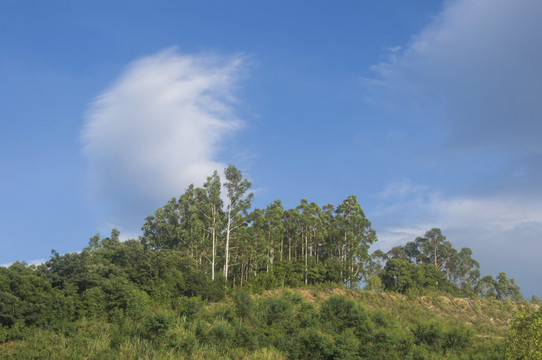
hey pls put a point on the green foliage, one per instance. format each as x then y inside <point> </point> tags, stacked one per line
<point>525,338</point>
<point>342,313</point>
<point>155,325</point>
<point>435,337</point>
<point>279,325</point>
<point>139,300</point>
<point>189,307</point>
<point>244,305</point>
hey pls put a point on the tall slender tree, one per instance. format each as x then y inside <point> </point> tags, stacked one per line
<point>238,204</point>
<point>358,235</point>
<point>211,207</point>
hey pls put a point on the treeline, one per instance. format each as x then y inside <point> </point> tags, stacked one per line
<point>308,244</point>
<point>432,263</point>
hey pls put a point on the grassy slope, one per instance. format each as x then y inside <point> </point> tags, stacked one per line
<point>488,318</point>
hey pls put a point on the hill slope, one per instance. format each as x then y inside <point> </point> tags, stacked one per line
<point>306,323</point>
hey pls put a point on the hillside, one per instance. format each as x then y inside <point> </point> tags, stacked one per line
<point>306,323</point>
<point>488,317</point>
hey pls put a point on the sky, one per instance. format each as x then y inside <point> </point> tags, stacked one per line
<point>428,111</point>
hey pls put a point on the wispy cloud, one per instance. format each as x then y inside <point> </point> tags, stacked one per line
<point>157,129</point>
<point>400,189</point>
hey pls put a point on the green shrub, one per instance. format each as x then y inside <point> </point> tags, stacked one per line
<point>137,303</point>
<point>155,325</point>
<point>342,313</point>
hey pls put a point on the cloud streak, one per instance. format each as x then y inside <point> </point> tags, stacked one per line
<point>157,129</point>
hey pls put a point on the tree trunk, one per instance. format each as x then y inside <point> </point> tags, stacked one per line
<point>281,246</point>
<point>306,260</point>
<point>228,243</point>
<point>214,250</point>
<point>289,248</point>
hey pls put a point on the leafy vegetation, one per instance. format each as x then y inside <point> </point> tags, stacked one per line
<point>525,340</point>
<point>208,280</point>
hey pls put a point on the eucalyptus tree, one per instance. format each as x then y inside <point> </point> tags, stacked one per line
<point>162,229</point>
<point>358,235</point>
<point>328,232</point>
<point>486,286</point>
<point>238,204</point>
<point>210,206</point>
<point>397,252</point>
<point>274,230</point>
<point>290,220</point>
<point>412,252</point>
<point>252,253</point>
<point>507,288</point>
<point>464,270</point>
<point>435,247</point>
<point>191,222</point>
<point>309,221</point>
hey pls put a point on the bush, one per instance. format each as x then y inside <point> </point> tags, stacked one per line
<point>342,313</point>
<point>189,307</point>
<point>430,334</point>
<point>458,338</point>
<point>155,325</point>
<point>244,305</point>
<point>137,303</point>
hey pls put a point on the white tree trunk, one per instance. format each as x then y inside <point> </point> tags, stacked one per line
<point>228,243</point>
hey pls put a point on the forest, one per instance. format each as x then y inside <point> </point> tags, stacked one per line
<point>211,277</point>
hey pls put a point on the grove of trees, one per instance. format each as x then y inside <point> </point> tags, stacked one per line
<point>281,247</point>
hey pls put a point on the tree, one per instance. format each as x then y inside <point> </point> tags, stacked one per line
<point>486,286</point>
<point>112,240</point>
<point>464,270</point>
<point>399,275</point>
<point>357,236</point>
<point>211,208</point>
<point>397,252</point>
<point>309,220</point>
<point>435,247</point>
<point>274,229</point>
<point>162,229</point>
<point>238,204</point>
<point>412,253</point>
<point>500,288</point>
<point>507,288</point>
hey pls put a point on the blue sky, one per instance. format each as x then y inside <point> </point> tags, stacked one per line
<point>428,111</point>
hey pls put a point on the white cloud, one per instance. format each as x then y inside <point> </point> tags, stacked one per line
<point>157,129</point>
